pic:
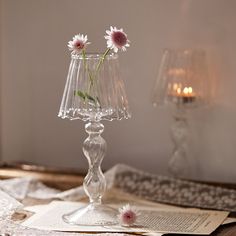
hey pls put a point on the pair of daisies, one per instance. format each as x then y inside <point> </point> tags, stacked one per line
<point>116,39</point>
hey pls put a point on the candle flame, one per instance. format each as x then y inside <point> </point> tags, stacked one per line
<point>178,90</point>
<point>188,90</point>
<point>185,91</point>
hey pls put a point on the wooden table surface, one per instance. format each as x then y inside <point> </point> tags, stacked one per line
<point>64,179</point>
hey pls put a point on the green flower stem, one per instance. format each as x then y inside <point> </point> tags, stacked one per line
<point>92,76</point>
<point>102,60</point>
<point>87,70</point>
<point>84,60</point>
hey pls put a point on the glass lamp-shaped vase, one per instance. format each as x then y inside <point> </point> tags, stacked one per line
<point>183,82</point>
<point>94,92</point>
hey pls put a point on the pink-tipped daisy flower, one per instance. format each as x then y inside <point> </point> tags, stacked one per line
<point>117,39</point>
<point>128,215</point>
<point>78,43</point>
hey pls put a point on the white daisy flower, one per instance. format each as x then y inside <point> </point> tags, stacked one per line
<point>128,215</point>
<point>78,43</point>
<point>117,39</point>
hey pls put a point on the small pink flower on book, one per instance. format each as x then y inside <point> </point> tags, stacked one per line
<point>117,39</point>
<point>78,43</point>
<point>128,215</point>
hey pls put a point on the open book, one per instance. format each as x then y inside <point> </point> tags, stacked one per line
<point>154,217</point>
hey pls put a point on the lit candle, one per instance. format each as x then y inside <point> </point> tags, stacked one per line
<point>184,95</point>
<point>188,92</point>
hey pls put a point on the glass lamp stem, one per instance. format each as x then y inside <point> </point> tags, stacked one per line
<point>94,149</point>
<point>95,213</point>
<point>179,163</point>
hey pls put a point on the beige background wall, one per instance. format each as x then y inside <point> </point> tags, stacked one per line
<point>35,61</point>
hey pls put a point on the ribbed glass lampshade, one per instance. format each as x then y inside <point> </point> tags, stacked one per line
<point>94,89</point>
<point>182,78</point>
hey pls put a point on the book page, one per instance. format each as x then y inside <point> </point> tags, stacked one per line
<point>152,219</point>
<point>192,221</point>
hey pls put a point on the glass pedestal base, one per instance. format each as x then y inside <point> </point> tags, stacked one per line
<point>92,214</point>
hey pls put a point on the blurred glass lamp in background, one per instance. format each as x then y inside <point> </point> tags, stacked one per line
<point>182,82</point>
